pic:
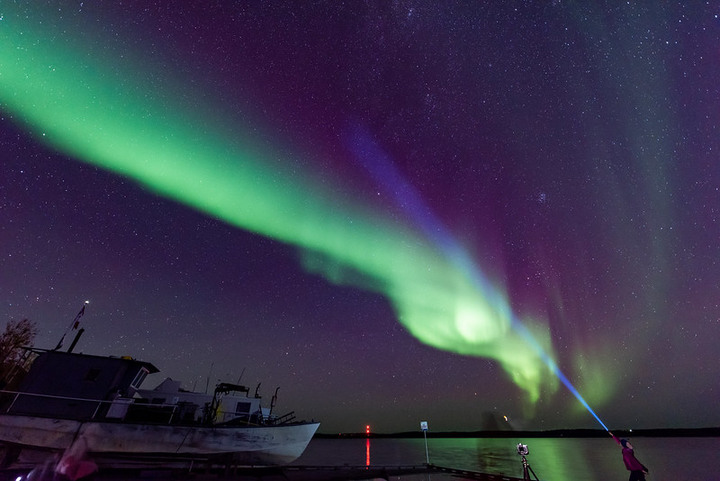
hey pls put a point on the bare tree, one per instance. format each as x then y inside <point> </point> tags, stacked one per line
<point>17,334</point>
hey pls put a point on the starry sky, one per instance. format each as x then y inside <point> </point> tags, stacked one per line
<point>396,211</point>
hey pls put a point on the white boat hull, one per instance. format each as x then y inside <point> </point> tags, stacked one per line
<point>115,444</point>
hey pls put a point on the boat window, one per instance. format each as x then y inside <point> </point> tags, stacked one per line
<point>92,374</point>
<point>242,407</point>
<point>139,378</point>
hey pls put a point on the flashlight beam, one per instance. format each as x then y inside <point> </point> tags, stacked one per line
<point>129,119</point>
<point>387,176</point>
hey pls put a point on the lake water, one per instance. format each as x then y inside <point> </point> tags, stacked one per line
<point>552,459</point>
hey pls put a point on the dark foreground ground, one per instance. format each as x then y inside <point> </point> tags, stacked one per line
<point>287,473</point>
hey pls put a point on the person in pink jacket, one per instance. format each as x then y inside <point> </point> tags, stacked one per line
<point>636,468</point>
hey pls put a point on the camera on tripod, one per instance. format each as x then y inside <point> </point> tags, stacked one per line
<point>523,451</point>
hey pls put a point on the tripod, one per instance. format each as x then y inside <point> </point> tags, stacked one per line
<point>527,470</point>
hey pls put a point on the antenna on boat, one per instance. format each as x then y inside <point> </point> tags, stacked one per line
<point>207,383</point>
<point>273,401</point>
<point>77,338</point>
<point>241,375</point>
<point>73,325</point>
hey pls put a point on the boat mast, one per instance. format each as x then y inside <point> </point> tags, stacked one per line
<point>73,325</point>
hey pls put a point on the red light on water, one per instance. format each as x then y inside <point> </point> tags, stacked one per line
<point>367,445</point>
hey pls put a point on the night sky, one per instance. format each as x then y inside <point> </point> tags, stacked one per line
<point>397,211</point>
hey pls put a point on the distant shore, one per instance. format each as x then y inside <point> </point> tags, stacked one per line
<point>556,433</point>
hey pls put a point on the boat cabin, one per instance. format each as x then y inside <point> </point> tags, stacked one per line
<point>69,385</point>
<point>229,402</point>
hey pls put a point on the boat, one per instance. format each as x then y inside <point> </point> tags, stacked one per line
<point>94,408</point>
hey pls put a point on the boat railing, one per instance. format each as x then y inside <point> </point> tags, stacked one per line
<point>285,418</point>
<point>16,402</point>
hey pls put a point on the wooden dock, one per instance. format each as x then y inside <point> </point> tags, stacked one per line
<point>282,473</point>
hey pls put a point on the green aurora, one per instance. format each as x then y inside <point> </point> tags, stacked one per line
<point>122,117</point>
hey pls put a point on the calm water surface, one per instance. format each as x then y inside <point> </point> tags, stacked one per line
<point>552,459</point>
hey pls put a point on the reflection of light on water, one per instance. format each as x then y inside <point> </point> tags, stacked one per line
<point>367,445</point>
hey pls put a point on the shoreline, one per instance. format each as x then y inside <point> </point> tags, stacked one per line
<point>555,433</point>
